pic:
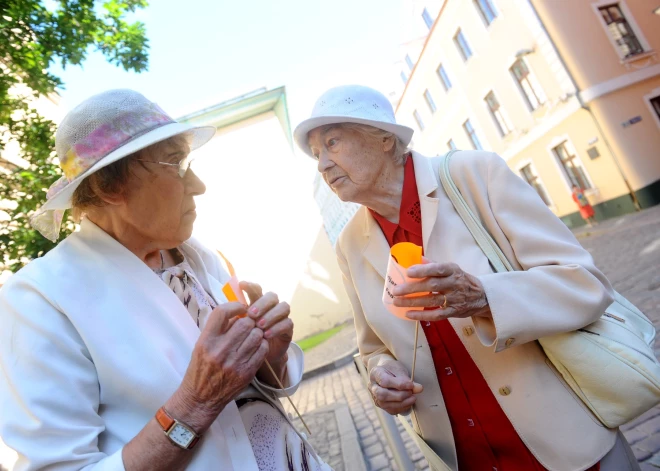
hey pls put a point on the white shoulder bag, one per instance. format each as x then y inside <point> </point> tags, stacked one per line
<point>610,363</point>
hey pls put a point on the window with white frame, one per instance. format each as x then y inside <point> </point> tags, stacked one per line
<point>486,10</point>
<point>462,45</point>
<point>427,18</point>
<point>620,31</point>
<point>496,111</point>
<point>404,77</point>
<point>472,134</point>
<point>418,119</point>
<point>429,101</point>
<point>571,165</point>
<point>451,144</point>
<point>528,174</point>
<point>529,86</point>
<point>409,61</point>
<point>444,78</point>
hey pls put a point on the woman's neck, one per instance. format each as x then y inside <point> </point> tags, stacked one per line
<point>146,250</point>
<point>386,193</point>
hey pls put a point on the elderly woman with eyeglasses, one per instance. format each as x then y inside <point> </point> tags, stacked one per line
<point>484,396</point>
<point>118,349</point>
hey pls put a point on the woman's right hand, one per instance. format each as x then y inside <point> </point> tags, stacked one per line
<point>225,359</point>
<point>391,387</point>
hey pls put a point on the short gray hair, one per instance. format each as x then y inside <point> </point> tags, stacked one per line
<point>400,150</point>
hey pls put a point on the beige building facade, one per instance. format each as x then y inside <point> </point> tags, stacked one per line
<point>550,86</point>
<point>259,214</point>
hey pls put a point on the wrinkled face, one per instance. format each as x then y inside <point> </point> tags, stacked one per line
<point>158,204</point>
<point>350,162</point>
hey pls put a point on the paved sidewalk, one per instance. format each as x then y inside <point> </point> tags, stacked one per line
<point>344,385</point>
<point>340,344</point>
<point>627,250</point>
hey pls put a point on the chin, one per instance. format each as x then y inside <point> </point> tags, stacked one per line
<point>345,196</point>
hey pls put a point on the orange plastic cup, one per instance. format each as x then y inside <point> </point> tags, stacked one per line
<point>402,256</point>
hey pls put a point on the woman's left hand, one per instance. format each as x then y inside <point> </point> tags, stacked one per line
<point>449,292</point>
<point>271,316</point>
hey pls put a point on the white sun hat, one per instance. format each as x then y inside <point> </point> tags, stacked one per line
<point>99,131</point>
<point>351,104</point>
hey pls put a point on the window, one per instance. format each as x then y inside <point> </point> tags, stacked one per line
<point>529,175</point>
<point>571,165</point>
<point>497,113</point>
<point>427,18</point>
<point>655,103</point>
<point>404,77</point>
<point>472,134</point>
<point>429,101</point>
<point>451,144</point>
<point>409,61</point>
<point>462,45</point>
<point>418,118</point>
<point>487,10</point>
<point>444,78</point>
<point>528,84</point>
<point>620,31</point>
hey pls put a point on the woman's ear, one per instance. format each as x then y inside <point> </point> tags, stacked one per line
<point>388,144</point>
<point>113,198</point>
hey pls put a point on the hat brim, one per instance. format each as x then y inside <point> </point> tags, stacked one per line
<point>404,133</point>
<point>200,136</point>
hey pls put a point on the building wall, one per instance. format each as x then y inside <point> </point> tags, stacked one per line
<point>320,291</point>
<point>494,47</point>
<point>616,89</point>
<point>581,133</point>
<point>580,34</point>
<point>256,211</point>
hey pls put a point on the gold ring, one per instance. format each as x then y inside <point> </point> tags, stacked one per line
<point>444,305</point>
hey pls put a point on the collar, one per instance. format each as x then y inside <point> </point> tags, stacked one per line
<point>409,212</point>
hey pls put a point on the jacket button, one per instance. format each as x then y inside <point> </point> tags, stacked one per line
<point>505,390</point>
<point>509,342</point>
<point>468,330</point>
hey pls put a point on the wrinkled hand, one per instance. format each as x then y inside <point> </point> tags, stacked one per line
<point>225,359</point>
<point>464,293</point>
<point>391,387</point>
<point>272,316</point>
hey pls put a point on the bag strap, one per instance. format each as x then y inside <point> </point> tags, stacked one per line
<point>481,236</point>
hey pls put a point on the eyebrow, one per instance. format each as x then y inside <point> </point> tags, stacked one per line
<point>328,128</point>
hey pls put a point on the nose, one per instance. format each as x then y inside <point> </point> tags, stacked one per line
<point>324,162</point>
<point>194,186</point>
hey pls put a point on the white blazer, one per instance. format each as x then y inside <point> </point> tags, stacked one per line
<point>559,291</point>
<point>92,343</point>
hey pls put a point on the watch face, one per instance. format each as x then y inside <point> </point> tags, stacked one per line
<point>181,435</point>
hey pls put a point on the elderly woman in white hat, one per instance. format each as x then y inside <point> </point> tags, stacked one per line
<point>485,397</point>
<point>118,349</point>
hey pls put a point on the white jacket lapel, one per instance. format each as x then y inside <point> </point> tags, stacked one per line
<point>377,250</point>
<point>426,185</point>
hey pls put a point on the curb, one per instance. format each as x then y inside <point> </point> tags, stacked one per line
<point>338,362</point>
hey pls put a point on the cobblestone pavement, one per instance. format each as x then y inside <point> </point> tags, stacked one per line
<point>325,436</point>
<point>345,385</point>
<point>626,249</point>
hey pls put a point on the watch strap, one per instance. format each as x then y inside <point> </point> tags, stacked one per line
<point>167,422</point>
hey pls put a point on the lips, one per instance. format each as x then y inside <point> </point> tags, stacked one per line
<point>334,180</point>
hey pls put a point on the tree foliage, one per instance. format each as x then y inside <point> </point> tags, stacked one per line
<point>32,38</point>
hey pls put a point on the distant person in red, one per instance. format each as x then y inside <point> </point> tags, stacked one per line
<point>586,210</point>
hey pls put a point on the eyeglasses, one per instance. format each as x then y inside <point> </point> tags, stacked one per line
<point>182,166</point>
